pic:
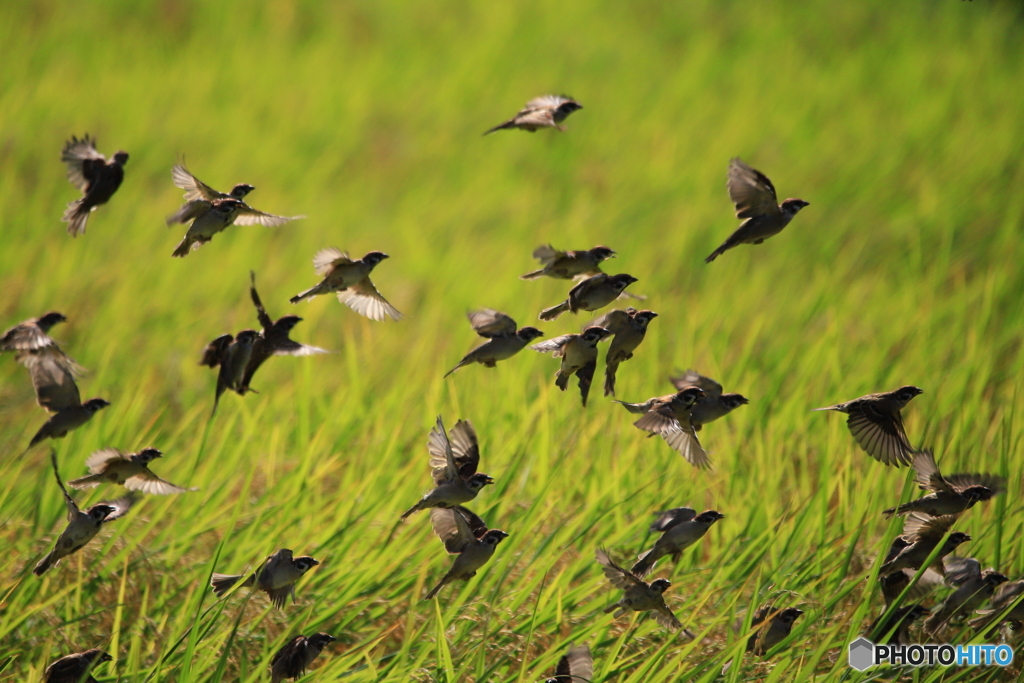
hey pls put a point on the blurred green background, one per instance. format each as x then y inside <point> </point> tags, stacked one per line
<point>899,122</point>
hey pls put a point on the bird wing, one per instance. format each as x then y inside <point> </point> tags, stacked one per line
<point>490,323</point>
<point>249,216</point>
<point>82,160</point>
<point>261,313</point>
<point>963,480</point>
<point>919,526</point>
<point>453,528</point>
<point>586,285</point>
<point>69,502</point>
<point>580,664</point>
<point>52,378</point>
<point>670,518</point>
<point>148,482</point>
<point>546,102</point>
<point>465,448</point>
<point>98,460</point>
<point>121,507</point>
<point>663,615</point>
<point>692,378</point>
<point>214,351</point>
<point>364,299</point>
<point>26,337</point>
<point>442,458</point>
<point>928,476</point>
<point>618,576</point>
<point>685,442</point>
<point>194,187</point>
<point>547,254</point>
<point>290,653</point>
<point>880,433</point>
<point>553,344</point>
<point>325,259</point>
<point>751,191</point>
<point>961,569</point>
<point>188,211</point>
<point>289,347</point>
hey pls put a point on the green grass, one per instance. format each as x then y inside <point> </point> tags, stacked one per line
<point>899,122</point>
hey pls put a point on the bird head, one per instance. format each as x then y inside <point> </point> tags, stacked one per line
<point>905,394</point>
<point>643,318</point>
<point>709,517</point>
<point>375,257</point>
<point>621,281</point>
<point>239,191</point>
<point>993,578</point>
<point>690,395</point>
<point>478,481</point>
<point>121,158</point>
<point>788,616</point>
<point>791,207</point>
<point>148,455</point>
<point>101,511</point>
<point>493,537</point>
<point>96,656</point>
<point>956,538</point>
<point>569,106</point>
<point>977,493</point>
<point>288,322</point>
<point>246,337</point>
<point>601,252</point>
<point>321,639</point>
<point>660,585</point>
<point>304,563</point>
<point>94,405</point>
<point>528,334</point>
<point>50,319</point>
<point>734,401</point>
<point>592,335</point>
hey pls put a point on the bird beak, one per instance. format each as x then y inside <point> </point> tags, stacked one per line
<point>488,481</point>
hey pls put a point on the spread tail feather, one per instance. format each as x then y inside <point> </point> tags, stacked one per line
<point>532,275</point>
<point>554,311</point>
<point>86,482</point>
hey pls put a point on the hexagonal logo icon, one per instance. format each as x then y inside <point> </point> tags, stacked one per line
<point>862,654</point>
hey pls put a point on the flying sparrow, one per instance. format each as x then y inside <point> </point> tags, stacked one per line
<point>503,340</point>
<point>894,583</point>
<point>629,327</point>
<point>32,335</point>
<point>876,424</point>
<point>276,577</point>
<point>351,280</point>
<point>75,668</point>
<point>1005,596</point>
<point>568,265</point>
<point>713,404</point>
<point>639,595</point>
<point>578,353</point>
<point>53,378</point>
<point>81,526</point>
<point>292,660</point>
<point>547,111</point>
<point>591,294</point>
<point>973,587</point>
<point>463,533</point>
<point>755,200</point>
<point>273,339</point>
<point>454,461</point>
<point>232,354</point>
<point>921,534</point>
<point>669,417</point>
<point>898,624</point>
<point>90,172</point>
<point>949,495</point>
<point>679,528</point>
<point>131,470</point>
<point>575,666</point>
<point>775,627</point>
<point>211,212</point>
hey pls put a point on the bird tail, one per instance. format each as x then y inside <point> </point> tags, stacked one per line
<point>532,275</point>
<point>414,508</point>
<point>222,583</point>
<point>462,363</point>
<point>76,216</point>
<point>611,608</point>
<point>434,591</point>
<point>86,482</point>
<point>644,564</point>
<point>562,380</point>
<point>888,514</point>
<point>184,247</point>
<point>308,294</point>
<point>814,410</point>
<point>636,408</point>
<point>511,123</point>
<point>554,311</point>
<point>609,379</point>
<point>44,564</point>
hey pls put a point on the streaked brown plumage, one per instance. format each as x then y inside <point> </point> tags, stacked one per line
<point>921,534</point>
<point>90,172</point>
<point>680,528</point>
<point>639,595</point>
<point>948,495</point>
<point>579,355</point>
<point>568,265</point>
<point>75,668</point>
<point>546,111</point>
<point>463,533</point>
<point>973,587</point>
<point>591,294</point>
<point>575,666</point>
<point>350,279</point>
<point>292,660</point>
<point>53,379</point>
<point>877,426</point>
<point>713,404</point>
<point>32,334</point>
<point>669,417</point>
<point>776,625</point>
<point>454,459</point>
<point>756,201</point>
<point>1005,597</point>
<point>503,340</point>
<point>131,470</point>
<point>629,327</point>
<point>276,577</point>
<point>232,354</point>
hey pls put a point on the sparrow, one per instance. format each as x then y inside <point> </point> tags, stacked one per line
<point>503,340</point>
<point>591,294</point>
<point>75,668</point>
<point>463,533</point>
<point>1006,596</point>
<point>53,378</point>
<point>276,577</point>
<point>679,528</point>
<point>81,527</point>
<point>351,280</point>
<point>898,624</point>
<point>575,666</point>
<point>629,327</point>
<point>921,534</point>
<point>876,424</point>
<point>211,212</point>
<point>232,354</point>
<point>32,335</point>
<point>568,265</point>
<point>755,200</point>
<point>547,111</point>
<point>273,339</point>
<point>90,172</point>
<point>713,404</point>
<point>578,353</point>
<point>454,460</point>
<point>949,495</point>
<point>292,660</point>
<point>639,595</point>
<point>893,583</point>
<point>131,470</point>
<point>775,627</point>
<point>669,417</point>
<point>973,587</point>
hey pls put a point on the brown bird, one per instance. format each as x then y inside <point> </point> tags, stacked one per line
<point>591,294</point>
<point>131,470</point>
<point>876,424</point>
<point>53,378</point>
<point>894,583</point>
<point>578,353</point>
<point>755,200</point>
<point>32,335</point>
<point>276,577</point>
<point>949,495</point>
<point>575,666</point>
<point>273,339</point>
<point>921,534</point>
<point>639,595</point>
<point>82,527</point>
<point>669,417</point>
<point>351,280</point>
<point>90,172</point>
<point>680,528</point>
<point>292,660</point>
<point>211,212</point>
<point>503,340</point>
<point>1006,596</point>
<point>453,461</point>
<point>568,265</point>
<point>973,587</point>
<point>898,624</point>
<point>713,404</point>
<point>75,668</point>
<point>776,625</point>
<point>464,534</point>
<point>232,354</point>
<point>547,111</point>
<point>629,327</point>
